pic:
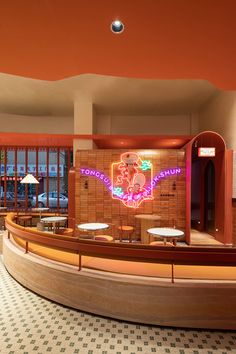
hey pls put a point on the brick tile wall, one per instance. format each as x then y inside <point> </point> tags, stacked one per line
<point>96,204</point>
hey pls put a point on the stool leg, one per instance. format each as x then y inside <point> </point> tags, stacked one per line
<point>120,235</point>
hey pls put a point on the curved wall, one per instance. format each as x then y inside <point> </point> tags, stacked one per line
<point>130,298</point>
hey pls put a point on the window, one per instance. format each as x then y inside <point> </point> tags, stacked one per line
<point>49,165</point>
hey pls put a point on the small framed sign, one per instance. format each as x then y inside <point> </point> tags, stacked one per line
<point>206,151</point>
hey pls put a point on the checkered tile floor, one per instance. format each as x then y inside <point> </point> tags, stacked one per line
<point>30,324</point>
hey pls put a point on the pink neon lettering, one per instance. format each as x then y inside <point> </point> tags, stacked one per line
<point>131,197</point>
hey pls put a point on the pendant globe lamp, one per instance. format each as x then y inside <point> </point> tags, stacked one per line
<point>29,179</point>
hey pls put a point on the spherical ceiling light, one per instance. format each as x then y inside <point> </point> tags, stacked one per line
<point>117,27</point>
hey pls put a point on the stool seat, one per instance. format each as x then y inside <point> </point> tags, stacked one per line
<point>125,229</point>
<point>66,231</point>
<point>159,243</point>
<point>105,238</point>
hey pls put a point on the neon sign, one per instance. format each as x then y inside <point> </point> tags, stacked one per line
<point>99,175</point>
<point>118,191</point>
<point>129,178</point>
<point>146,165</point>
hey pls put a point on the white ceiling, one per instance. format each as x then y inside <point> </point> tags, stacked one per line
<point>110,95</point>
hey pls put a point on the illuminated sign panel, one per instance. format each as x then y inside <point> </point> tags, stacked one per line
<point>206,151</point>
<point>130,176</point>
<point>91,172</point>
<point>132,180</point>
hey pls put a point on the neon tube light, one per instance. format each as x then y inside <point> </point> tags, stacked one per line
<point>129,176</point>
<point>89,172</point>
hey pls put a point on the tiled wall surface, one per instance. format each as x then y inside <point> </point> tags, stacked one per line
<point>94,202</point>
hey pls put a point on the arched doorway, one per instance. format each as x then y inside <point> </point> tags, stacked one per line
<point>209,188</point>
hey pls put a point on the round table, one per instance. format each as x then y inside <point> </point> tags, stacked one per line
<point>53,220</point>
<point>147,221</point>
<point>40,210</point>
<point>92,227</point>
<point>166,233</point>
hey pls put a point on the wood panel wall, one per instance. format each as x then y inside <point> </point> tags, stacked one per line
<point>93,202</point>
<point>234,222</point>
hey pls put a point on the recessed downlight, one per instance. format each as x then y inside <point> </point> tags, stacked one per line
<point>117,27</point>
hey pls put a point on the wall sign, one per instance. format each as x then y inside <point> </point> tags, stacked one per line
<point>206,151</point>
<point>42,170</point>
<point>130,183</point>
<point>130,177</point>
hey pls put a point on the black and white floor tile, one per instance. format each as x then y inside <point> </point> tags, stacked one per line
<point>30,324</point>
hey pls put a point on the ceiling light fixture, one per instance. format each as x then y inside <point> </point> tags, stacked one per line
<point>117,27</point>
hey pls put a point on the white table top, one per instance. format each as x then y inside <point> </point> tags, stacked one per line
<point>93,226</point>
<point>148,216</point>
<point>165,232</point>
<point>54,219</point>
<point>3,208</point>
<point>40,209</point>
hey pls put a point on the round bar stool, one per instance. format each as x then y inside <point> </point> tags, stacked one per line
<point>65,232</point>
<point>25,219</point>
<point>125,229</point>
<point>105,238</point>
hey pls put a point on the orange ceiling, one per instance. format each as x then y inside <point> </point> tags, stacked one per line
<point>163,39</point>
<point>101,141</point>
<point>141,142</point>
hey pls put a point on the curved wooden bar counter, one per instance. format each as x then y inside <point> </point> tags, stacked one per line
<point>182,303</point>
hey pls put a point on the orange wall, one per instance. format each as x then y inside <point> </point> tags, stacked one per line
<point>166,39</point>
<point>21,139</point>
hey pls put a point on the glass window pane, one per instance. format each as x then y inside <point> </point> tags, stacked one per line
<point>2,175</point>
<point>52,173</point>
<point>10,179</point>
<point>52,178</point>
<point>42,177</point>
<point>22,189</point>
<point>32,188</point>
<point>63,173</point>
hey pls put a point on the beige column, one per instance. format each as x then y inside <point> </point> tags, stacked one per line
<point>83,124</point>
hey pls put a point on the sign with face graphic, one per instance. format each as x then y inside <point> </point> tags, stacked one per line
<point>130,176</point>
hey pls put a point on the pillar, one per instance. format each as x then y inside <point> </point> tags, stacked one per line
<point>83,124</point>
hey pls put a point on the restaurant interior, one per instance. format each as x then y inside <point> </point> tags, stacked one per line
<point>121,185</point>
